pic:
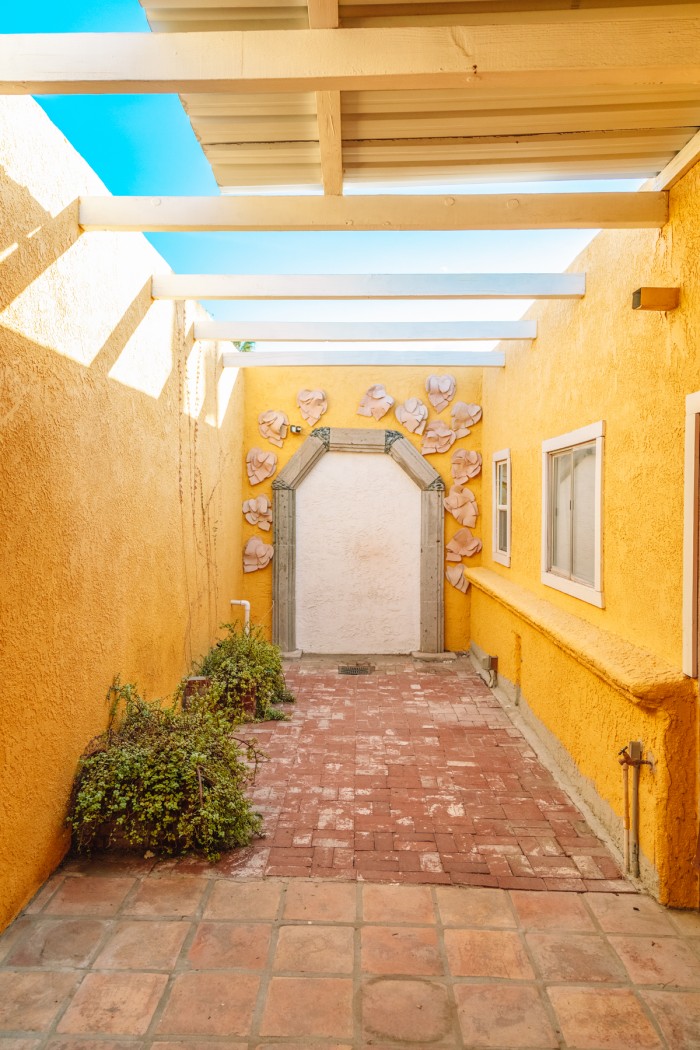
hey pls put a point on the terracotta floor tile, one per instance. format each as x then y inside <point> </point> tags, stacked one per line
<point>321,902</point>
<point>246,901</point>
<point>89,895</point>
<point>602,1019</point>
<point>309,1006</point>
<point>210,1004</point>
<point>685,922</point>
<point>80,1043</point>
<point>487,953</point>
<point>30,1001</point>
<point>401,950</point>
<point>223,945</point>
<point>474,906</point>
<point>292,1046</point>
<point>143,945</point>
<point>678,1014</point>
<point>496,1015</point>
<point>58,942</point>
<point>174,895</point>
<point>114,1004</point>
<point>193,1044</point>
<point>315,949</point>
<point>624,913</point>
<point>551,911</point>
<point>575,957</point>
<point>659,960</point>
<point>413,1012</point>
<point>397,904</point>
<point>44,895</point>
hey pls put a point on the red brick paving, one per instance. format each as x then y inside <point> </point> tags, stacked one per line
<point>412,774</point>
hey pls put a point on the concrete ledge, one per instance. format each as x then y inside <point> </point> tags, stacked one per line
<point>434,656</point>
<point>637,674</point>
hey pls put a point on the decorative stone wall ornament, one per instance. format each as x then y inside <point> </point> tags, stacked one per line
<point>258,511</point>
<point>465,465</point>
<point>376,402</point>
<point>312,404</point>
<point>462,505</point>
<point>273,426</point>
<point>256,555</point>
<point>413,415</point>
<point>441,390</point>
<point>260,465</point>
<point>454,574</point>
<point>462,545</point>
<point>464,416</point>
<point>437,438</point>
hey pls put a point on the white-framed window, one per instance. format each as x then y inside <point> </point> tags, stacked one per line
<point>500,550</point>
<point>572,500</point>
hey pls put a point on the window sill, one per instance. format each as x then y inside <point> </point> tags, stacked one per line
<point>501,559</point>
<point>576,590</point>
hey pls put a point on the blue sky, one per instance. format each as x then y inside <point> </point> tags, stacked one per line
<point>143,144</point>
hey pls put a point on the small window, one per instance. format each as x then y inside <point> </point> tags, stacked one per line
<point>571,513</point>
<point>501,507</point>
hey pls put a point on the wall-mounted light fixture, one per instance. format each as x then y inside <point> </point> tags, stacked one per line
<point>655,298</point>
<point>295,430</point>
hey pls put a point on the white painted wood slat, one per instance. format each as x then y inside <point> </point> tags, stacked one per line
<point>363,332</point>
<point>370,286</point>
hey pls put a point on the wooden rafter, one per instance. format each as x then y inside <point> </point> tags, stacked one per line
<point>363,332</point>
<point>601,54</point>
<point>330,358</point>
<point>323,14</point>
<point>681,164</point>
<point>423,212</point>
<point>370,286</point>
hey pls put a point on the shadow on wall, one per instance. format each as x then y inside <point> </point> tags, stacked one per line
<point>119,463</point>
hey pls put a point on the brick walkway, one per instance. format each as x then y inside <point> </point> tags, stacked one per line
<point>413,774</point>
<point>408,775</point>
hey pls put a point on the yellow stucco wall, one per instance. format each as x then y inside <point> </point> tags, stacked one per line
<point>277,388</point>
<point>119,551</point>
<point>597,359</point>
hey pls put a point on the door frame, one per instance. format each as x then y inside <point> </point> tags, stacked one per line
<point>342,439</point>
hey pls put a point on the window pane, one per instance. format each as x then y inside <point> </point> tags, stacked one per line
<point>583,567</point>
<point>561,512</point>
<point>503,531</point>
<point>502,484</point>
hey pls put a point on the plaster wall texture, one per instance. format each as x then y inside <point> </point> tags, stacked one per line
<point>358,534</point>
<point>598,360</point>
<point>120,453</point>
<point>268,388</point>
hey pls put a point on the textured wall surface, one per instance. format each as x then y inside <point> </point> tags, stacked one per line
<point>119,465</point>
<point>276,388</point>
<point>358,534</point>
<point>597,359</point>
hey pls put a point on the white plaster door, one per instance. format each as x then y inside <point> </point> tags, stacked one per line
<point>358,556</point>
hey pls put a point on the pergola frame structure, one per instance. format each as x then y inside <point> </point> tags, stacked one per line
<point>502,56</point>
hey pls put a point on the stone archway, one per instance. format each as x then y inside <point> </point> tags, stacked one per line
<point>390,442</point>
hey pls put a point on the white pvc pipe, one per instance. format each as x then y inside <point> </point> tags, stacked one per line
<point>246,606</point>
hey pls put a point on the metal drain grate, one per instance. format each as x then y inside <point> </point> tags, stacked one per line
<point>354,669</point>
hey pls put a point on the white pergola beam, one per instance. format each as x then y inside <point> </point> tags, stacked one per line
<point>362,332</point>
<point>599,54</point>
<point>370,286</point>
<point>329,358</point>
<point>681,164</point>
<point>527,211</point>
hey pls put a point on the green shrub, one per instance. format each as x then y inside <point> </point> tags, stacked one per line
<point>163,779</point>
<point>246,674</point>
